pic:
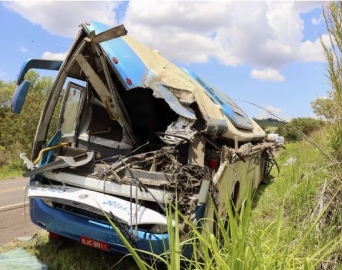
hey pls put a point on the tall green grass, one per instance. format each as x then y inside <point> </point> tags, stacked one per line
<point>280,226</point>
<point>281,230</point>
<point>7,172</point>
<point>332,48</point>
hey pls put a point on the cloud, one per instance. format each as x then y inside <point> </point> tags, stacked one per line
<point>267,75</point>
<point>328,42</point>
<point>62,18</point>
<point>312,51</point>
<point>23,49</point>
<point>306,6</point>
<point>272,112</point>
<point>2,73</point>
<point>262,35</point>
<point>270,36</point>
<point>54,56</point>
<point>316,21</point>
<point>322,97</point>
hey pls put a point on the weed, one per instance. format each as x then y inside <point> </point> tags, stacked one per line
<point>281,226</point>
<point>290,237</point>
<point>7,172</point>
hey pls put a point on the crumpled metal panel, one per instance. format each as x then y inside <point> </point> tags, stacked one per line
<point>183,127</point>
<point>148,68</point>
<point>160,91</point>
<point>230,109</point>
<point>128,63</point>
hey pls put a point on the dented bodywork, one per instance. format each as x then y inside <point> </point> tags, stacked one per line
<point>136,133</point>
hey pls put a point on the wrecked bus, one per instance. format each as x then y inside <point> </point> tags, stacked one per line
<point>134,133</point>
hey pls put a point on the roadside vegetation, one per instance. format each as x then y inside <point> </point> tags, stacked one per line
<point>17,131</point>
<point>293,220</point>
<point>282,227</point>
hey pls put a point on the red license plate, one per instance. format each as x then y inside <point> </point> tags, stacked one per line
<point>94,243</point>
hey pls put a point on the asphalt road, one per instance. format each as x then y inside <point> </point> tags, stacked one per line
<point>12,192</point>
<point>14,216</point>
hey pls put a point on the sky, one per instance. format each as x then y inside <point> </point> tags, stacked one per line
<point>267,53</point>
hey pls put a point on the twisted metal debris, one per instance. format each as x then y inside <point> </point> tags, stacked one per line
<point>187,178</point>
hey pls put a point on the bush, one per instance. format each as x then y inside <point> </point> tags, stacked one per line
<point>294,130</point>
<point>17,132</point>
<point>3,159</point>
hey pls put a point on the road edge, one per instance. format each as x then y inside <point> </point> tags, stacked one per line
<point>13,206</point>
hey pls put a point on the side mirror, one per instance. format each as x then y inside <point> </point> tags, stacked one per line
<point>24,85</point>
<point>20,96</point>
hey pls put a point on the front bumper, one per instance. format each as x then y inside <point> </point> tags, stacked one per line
<point>73,226</point>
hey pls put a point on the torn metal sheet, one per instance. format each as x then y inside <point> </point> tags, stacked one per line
<point>178,87</point>
<point>182,127</point>
<point>160,91</point>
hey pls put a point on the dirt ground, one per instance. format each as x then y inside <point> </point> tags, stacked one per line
<point>12,225</point>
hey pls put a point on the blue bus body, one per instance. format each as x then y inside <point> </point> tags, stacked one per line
<point>158,113</point>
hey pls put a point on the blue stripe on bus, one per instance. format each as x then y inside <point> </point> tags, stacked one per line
<point>129,64</point>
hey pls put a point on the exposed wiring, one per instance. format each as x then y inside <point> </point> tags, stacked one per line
<point>142,185</point>
<point>125,232</point>
<point>125,156</point>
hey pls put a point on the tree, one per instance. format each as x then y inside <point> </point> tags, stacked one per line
<point>6,92</point>
<point>323,108</point>
<point>17,132</point>
<point>294,130</point>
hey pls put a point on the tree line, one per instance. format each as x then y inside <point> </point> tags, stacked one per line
<point>17,132</point>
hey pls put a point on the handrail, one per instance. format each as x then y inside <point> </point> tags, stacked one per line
<point>47,149</point>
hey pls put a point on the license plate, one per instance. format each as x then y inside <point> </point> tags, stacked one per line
<point>94,243</point>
